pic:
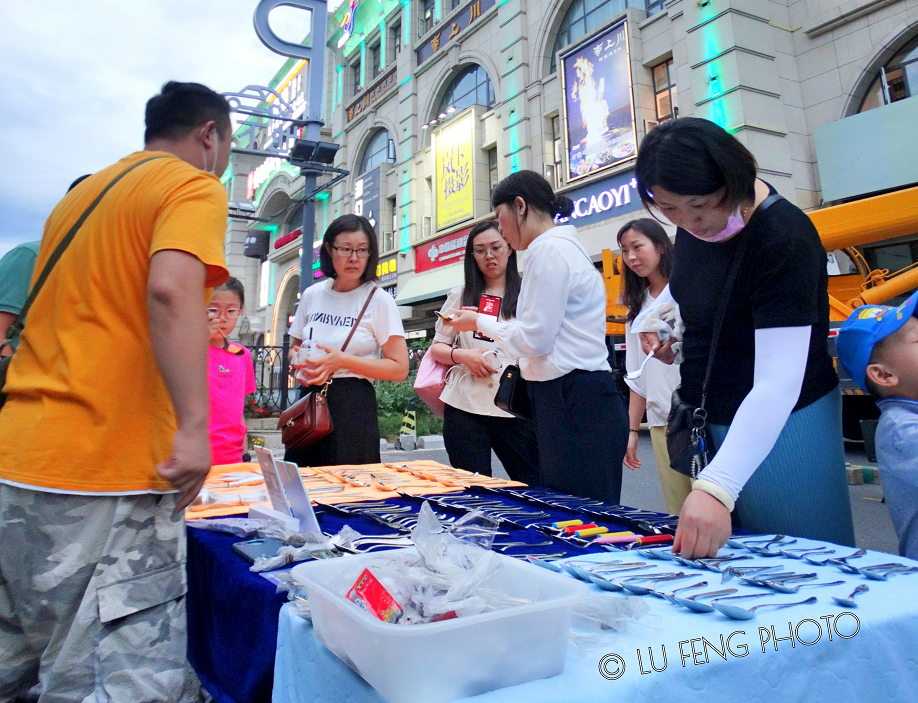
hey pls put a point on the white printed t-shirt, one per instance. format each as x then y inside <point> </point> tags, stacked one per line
<point>330,316</point>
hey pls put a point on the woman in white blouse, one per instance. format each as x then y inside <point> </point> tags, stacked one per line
<point>472,424</point>
<point>559,337</point>
<point>648,257</point>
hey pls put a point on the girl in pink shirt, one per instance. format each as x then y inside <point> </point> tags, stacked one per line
<point>231,375</point>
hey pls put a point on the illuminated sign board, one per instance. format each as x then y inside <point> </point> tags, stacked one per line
<point>598,103</point>
<point>603,200</point>
<point>449,249</point>
<point>455,173</point>
<point>347,24</point>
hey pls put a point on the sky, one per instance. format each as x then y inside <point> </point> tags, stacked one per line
<point>75,76</point>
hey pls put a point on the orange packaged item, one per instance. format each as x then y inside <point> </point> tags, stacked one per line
<point>372,596</point>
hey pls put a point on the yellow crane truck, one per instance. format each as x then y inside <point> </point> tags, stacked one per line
<point>872,257</point>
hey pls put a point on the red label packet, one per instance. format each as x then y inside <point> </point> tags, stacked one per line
<point>372,596</point>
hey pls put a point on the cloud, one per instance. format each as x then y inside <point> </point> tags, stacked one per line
<point>76,77</point>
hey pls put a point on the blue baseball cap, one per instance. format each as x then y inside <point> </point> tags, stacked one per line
<point>863,329</point>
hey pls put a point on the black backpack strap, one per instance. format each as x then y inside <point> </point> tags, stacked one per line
<point>18,324</point>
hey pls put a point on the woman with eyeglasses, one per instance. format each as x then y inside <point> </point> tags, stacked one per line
<point>472,424</point>
<point>559,335</point>
<point>324,318</point>
<point>231,375</point>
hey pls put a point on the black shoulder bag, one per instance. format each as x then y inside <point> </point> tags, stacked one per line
<point>18,324</point>
<point>686,437</point>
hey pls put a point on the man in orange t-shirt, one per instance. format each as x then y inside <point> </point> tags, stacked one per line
<point>104,434</point>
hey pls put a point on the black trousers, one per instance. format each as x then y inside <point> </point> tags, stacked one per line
<point>469,439</point>
<point>581,424</point>
<point>355,439</point>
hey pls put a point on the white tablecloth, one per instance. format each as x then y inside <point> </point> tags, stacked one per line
<point>878,663</point>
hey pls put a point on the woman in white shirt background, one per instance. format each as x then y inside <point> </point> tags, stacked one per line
<point>472,424</point>
<point>648,257</point>
<point>325,315</point>
<point>559,336</point>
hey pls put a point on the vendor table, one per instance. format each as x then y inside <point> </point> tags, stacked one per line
<point>869,654</point>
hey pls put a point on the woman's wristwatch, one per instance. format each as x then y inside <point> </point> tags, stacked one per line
<point>636,431</point>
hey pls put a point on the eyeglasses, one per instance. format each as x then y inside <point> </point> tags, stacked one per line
<point>215,313</point>
<point>345,252</point>
<point>494,251</point>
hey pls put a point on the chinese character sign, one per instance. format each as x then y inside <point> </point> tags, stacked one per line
<point>454,173</point>
<point>598,103</point>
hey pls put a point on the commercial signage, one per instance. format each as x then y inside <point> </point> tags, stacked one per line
<point>261,174</point>
<point>445,35</point>
<point>454,173</point>
<point>366,196</point>
<point>347,24</point>
<point>603,200</point>
<point>598,103</point>
<point>387,270</point>
<point>372,95</point>
<point>256,243</point>
<point>441,252</point>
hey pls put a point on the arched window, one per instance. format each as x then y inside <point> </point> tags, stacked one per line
<point>376,153</point>
<point>900,75</point>
<point>471,87</point>
<point>584,16</point>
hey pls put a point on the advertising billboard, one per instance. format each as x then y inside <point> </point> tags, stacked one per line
<point>446,250</point>
<point>455,173</point>
<point>598,103</point>
<point>366,196</point>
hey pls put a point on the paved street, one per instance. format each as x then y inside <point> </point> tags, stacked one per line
<point>641,489</point>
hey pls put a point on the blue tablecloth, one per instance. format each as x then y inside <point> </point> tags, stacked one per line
<point>232,620</point>
<point>878,663</point>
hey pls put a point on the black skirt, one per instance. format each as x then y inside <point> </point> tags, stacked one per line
<point>355,439</point>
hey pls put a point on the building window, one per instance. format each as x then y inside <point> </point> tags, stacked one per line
<point>355,78</point>
<point>654,6</point>
<point>553,169</point>
<point>376,60</point>
<point>492,169</point>
<point>896,81</point>
<point>453,4</point>
<point>395,40</point>
<point>426,19</point>
<point>471,87</point>
<point>583,17</point>
<point>664,84</point>
<point>377,152</point>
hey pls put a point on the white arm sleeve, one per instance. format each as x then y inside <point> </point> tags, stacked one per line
<point>780,363</point>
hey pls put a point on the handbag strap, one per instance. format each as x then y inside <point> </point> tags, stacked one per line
<point>19,323</point>
<point>725,298</point>
<point>359,317</point>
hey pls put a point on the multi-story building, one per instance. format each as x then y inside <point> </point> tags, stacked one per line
<point>434,101</point>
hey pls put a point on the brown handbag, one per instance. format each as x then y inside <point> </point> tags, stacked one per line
<point>308,420</point>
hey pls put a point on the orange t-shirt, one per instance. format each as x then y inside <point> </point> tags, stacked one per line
<point>87,408</point>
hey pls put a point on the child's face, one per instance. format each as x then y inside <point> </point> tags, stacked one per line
<point>896,371</point>
<point>222,314</point>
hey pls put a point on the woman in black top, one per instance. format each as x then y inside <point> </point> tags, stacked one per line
<point>773,404</point>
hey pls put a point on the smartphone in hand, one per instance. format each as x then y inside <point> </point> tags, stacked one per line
<point>445,318</point>
<point>488,305</point>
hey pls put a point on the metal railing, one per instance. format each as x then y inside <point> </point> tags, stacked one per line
<point>276,386</point>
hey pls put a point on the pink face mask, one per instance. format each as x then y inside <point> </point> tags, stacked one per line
<point>734,225</point>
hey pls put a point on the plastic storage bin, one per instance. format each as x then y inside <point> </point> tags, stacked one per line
<point>444,661</point>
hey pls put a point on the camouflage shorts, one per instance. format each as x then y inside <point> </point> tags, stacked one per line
<point>92,601</point>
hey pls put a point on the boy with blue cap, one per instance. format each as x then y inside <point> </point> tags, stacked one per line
<point>878,346</point>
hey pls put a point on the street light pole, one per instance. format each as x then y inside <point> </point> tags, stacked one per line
<point>312,117</point>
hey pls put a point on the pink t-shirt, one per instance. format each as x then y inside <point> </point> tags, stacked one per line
<point>231,378</point>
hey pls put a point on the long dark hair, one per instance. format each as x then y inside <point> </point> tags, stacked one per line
<point>634,287</point>
<point>693,156</point>
<point>340,225</point>
<point>475,280</point>
<point>535,191</point>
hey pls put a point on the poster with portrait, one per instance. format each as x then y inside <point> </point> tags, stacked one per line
<point>598,103</point>
<point>454,173</point>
